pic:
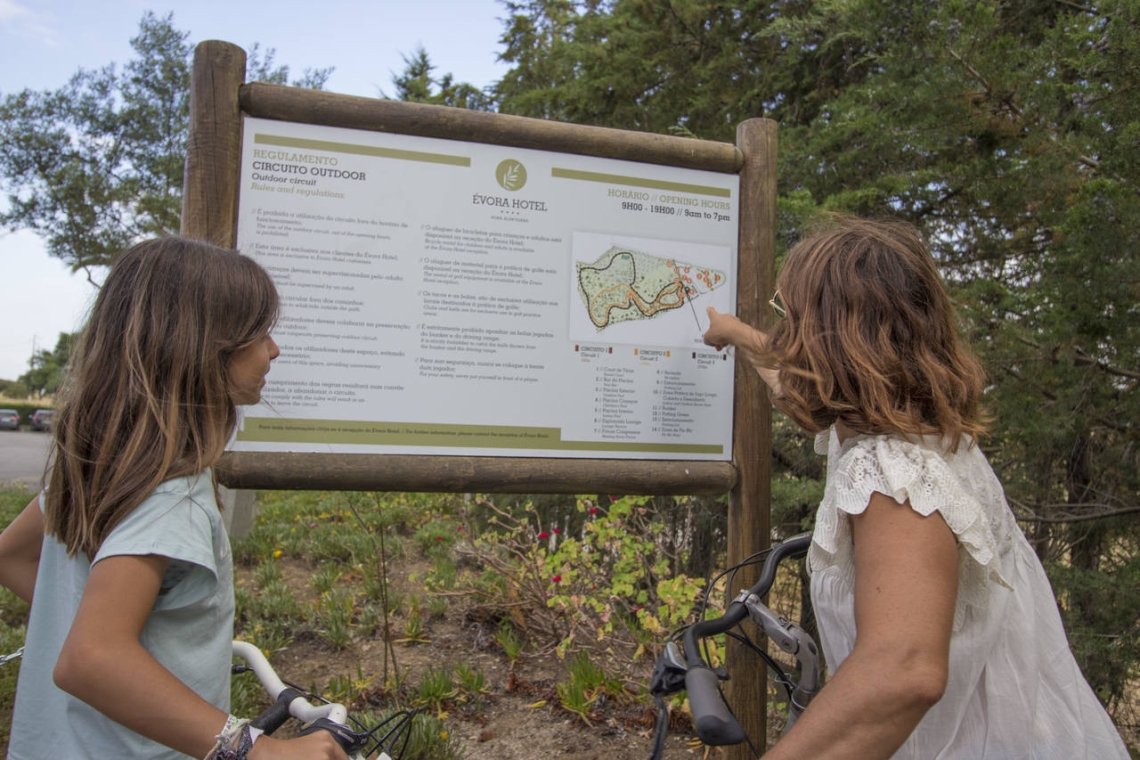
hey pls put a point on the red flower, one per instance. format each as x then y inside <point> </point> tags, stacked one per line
<point>557,531</point>
<point>593,510</point>
<point>556,578</point>
<point>543,535</point>
<point>439,538</point>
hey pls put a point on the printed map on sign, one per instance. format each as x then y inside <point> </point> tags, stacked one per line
<point>624,284</point>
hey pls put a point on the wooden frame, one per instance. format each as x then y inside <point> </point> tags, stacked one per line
<point>219,98</point>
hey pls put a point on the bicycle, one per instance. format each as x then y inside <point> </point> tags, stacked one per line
<point>685,667</point>
<point>290,701</point>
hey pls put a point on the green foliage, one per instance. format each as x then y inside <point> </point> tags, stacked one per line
<point>470,680</point>
<point>437,534</point>
<point>437,607</point>
<point>417,85</point>
<point>45,368</point>
<point>688,67</point>
<point>436,688</point>
<point>593,677</point>
<point>509,642</point>
<point>575,699</point>
<point>99,163</point>
<point>442,575</point>
<point>1100,611</point>
<point>610,579</point>
<point>13,617</point>
<point>259,67</point>
<point>588,683</point>
<point>614,572</point>
<point>430,740</point>
<point>678,597</point>
<point>333,614</point>
<point>414,632</point>
<point>13,499</point>
<point>325,579</point>
<point>267,618</point>
<point>14,389</point>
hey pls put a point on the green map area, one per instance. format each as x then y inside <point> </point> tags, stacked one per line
<point>623,284</point>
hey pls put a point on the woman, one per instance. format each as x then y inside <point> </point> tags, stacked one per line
<point>936,618</point>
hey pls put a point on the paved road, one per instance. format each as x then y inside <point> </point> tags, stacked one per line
<point>22,456</point>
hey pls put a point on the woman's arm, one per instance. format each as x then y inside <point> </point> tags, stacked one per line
<point>20,545</point>
<point>103,664</point>
<point>906,584</point>
<point>728,330</point>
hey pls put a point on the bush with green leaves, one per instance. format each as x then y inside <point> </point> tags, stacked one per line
<point>611,578</point>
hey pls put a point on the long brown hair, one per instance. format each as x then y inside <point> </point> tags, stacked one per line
<point>146,397</point>
<point>870,336</point>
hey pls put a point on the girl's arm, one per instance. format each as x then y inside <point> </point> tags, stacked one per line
<point>728,330</point>
<point>906,584</point>
<point>103,664</point>
<point>20,545</point>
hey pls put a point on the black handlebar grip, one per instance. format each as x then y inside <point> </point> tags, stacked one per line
<point>275,717</point>
<point>715,725</point>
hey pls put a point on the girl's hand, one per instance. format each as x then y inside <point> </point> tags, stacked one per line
<point>316,746</point>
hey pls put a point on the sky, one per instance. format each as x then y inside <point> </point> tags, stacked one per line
<point>44,42</point>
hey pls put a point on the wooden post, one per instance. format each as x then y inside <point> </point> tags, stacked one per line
<point>210,187</point>
<point>749,508</point>
<point>213,150</point>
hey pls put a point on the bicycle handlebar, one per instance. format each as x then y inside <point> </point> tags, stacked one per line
<point>290,702</point>
<point>297,705</point>
<point>713,721</point>
<point>796,546</point>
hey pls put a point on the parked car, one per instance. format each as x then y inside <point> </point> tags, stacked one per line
<point>41,419</point>
<point>9,419</point>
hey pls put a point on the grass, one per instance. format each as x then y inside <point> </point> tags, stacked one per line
<point>13,616</point>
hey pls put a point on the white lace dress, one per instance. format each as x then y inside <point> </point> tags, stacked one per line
<point>1014,690</point>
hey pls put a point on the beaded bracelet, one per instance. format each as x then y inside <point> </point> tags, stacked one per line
<point>234,742</point>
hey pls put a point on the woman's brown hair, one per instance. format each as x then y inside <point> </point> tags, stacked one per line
<point>870,336</point>
<point>146,398</point>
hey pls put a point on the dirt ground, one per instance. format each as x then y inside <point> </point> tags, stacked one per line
<point>519,718</point>
<point>510,724</point>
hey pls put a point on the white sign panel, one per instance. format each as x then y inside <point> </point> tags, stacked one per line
<point>445,297</point>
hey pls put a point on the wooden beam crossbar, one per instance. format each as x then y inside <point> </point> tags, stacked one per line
<point>459,474</point>
<point>273,101</point>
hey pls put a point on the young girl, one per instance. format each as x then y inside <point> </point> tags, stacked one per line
<point>124,557</point>
<point>936,618</point>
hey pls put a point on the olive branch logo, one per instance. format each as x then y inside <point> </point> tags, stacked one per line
<point>511,175</point>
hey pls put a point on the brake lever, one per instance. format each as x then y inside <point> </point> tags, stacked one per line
<point>794,640</point>
<point>669,671</point>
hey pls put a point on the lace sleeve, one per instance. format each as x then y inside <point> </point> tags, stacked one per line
<point>822,439</point>
<point>932,481</point>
